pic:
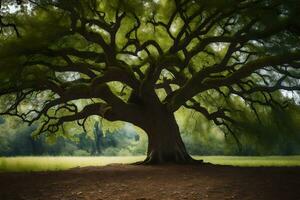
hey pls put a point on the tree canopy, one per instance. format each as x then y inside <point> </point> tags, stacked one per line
<point>140,61</point>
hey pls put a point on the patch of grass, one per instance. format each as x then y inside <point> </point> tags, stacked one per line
<point>45,163</point>
<point>28,164</point>
<point>253,161</point>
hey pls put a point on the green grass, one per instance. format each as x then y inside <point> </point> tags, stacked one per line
<point>45,163</point>
<point>26,164</point>
<point>253,161</point>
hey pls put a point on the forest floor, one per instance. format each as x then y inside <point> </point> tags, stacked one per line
<point>172,182</point>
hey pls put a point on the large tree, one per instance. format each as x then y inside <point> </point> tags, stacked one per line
<point>140,61</point>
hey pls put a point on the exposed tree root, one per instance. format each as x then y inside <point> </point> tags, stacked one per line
<point>157,159</point>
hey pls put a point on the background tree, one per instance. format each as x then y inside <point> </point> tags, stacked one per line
<point>98,138</point>
<point>141,61</point>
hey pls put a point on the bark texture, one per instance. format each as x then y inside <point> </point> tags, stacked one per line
<point>165,144</point>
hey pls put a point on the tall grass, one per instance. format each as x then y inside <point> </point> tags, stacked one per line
<point>28,164</point>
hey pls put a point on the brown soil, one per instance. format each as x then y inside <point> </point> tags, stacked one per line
<point>124,182</point>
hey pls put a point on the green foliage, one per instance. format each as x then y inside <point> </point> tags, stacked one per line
<point>274,132</point>
<point>18,140</point>
<point>36,37</point>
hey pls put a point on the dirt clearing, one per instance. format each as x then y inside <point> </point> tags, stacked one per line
<point>129,182</point>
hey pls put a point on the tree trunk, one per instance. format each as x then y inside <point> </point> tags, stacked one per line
<point>164,141</point>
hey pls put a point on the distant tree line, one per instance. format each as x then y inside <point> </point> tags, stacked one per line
<point>21,143</point>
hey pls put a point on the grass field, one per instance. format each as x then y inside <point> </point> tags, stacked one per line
<point>27,164</point>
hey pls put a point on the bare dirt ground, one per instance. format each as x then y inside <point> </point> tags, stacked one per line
<point>129,182</point>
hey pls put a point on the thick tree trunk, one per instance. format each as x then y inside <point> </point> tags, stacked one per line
<point>165,144</point>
